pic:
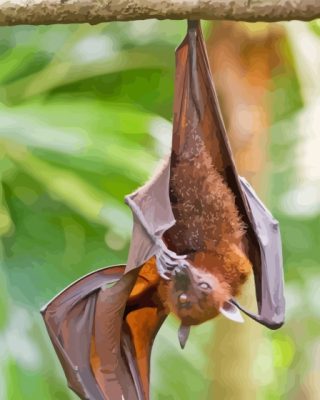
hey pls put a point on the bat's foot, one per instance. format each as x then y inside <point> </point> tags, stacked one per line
<point>167,260</point>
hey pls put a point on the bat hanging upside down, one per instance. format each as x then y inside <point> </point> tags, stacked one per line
<point>199,230</point>
<point>209,231</point>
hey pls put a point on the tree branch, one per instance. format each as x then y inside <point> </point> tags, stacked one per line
<point>38,12</point>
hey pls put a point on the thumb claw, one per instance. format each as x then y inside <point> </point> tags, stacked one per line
<point>164,276</point>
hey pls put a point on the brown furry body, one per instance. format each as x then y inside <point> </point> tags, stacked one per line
<point>209,230</point>
<point>203,206</point>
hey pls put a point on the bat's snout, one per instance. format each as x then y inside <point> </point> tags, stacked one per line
<point>182,278</point>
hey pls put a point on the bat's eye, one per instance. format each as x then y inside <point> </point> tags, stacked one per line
<point>204,285</point>
<point>183,298</point>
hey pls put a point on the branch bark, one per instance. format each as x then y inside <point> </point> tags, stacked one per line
<point>40,12</point>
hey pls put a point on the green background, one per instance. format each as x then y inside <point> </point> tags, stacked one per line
<point>85,116</point>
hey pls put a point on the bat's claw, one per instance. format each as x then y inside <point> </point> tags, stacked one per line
<point>165,277</point>
<point>167,260</point>
<point>163,270</point>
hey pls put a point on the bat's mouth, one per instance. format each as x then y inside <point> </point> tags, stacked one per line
<point>182,278</point>
<point>186,279</point>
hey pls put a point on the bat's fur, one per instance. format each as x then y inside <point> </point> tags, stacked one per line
<point>203,206</point>
<point>209,230</point>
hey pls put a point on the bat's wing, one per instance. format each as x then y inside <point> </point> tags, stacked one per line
<point>269,277</point>
<point>102,328</point>
<point>197,119</point>
<point>152,216</point>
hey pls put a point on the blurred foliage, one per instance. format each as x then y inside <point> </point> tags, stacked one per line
<point>85,115</point>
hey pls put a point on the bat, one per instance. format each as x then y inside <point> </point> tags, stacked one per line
<point>198,231</point>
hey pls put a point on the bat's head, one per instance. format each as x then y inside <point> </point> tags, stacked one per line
<point>197,293</point>
<point>196,296</point>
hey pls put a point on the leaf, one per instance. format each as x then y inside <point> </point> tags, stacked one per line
<point>77,194</point>
<point>66,72</point>
<point>63,128</point>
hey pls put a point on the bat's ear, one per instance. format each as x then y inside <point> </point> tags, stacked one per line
<point>230,311</point>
